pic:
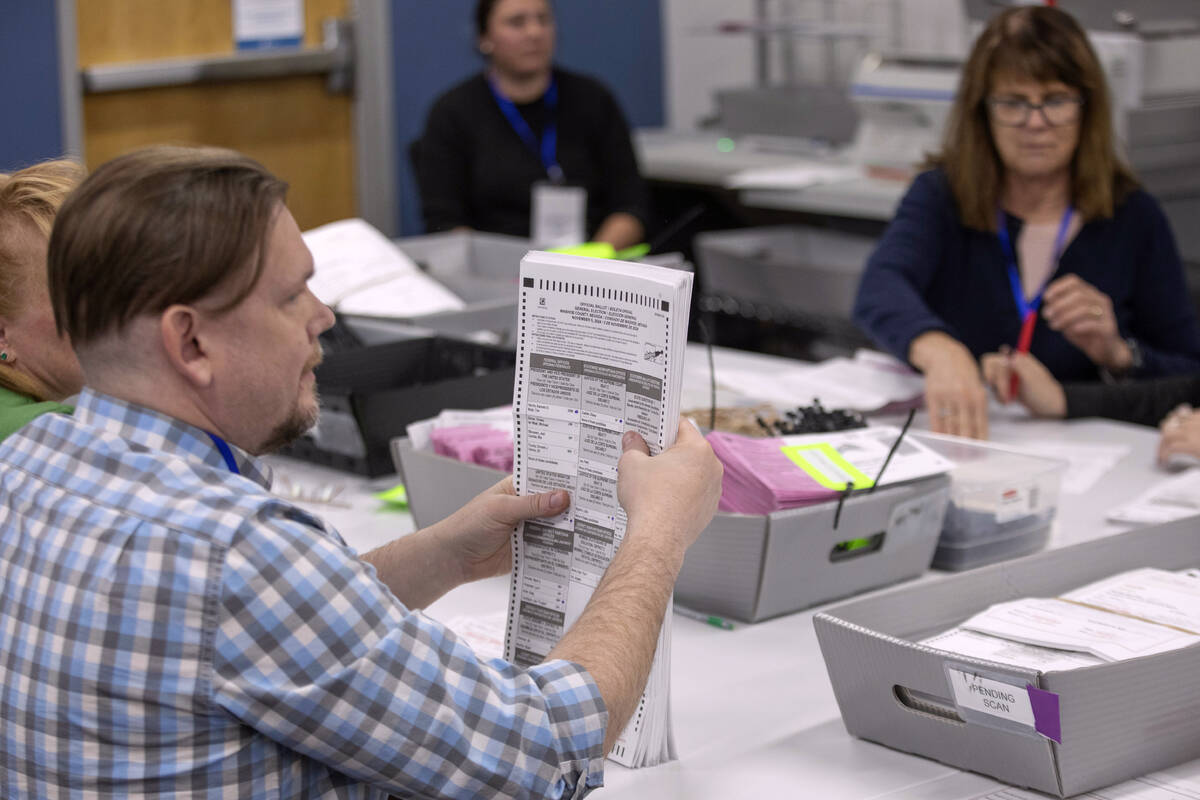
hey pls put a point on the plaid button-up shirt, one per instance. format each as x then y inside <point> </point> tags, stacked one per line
<point>169,628</point>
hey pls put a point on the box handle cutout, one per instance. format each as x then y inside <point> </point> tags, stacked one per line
<point>853,548</point>
<point>925,703</point>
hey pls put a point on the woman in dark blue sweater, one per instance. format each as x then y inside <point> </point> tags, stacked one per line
<point>1029,233</point>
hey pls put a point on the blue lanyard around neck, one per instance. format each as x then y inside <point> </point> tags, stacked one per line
<point>226,453</point>
<point>1024,308</point>
<point>547,148</point>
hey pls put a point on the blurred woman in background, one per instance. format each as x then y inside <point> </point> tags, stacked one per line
<point>524,127</point>
<point>1028,233</point>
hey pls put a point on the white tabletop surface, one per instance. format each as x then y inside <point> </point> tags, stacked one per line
<point>754,713</point>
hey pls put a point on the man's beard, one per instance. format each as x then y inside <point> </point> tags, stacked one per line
<point>296,425</point>
<point>297,422</point>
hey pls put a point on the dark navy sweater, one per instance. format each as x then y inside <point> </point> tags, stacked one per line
<point>930,272</point>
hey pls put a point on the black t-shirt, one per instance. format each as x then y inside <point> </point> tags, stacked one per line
<point>474,170</point>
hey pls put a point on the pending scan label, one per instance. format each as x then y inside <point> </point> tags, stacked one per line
<point>991,697</point>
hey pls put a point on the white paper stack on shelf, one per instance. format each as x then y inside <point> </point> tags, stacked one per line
<point>600,351</point>
<point>799,175</point>
<point>769,474</point>
<point>868,382</point>
<point>1133,614</point>
<point>1174,498</point>
<point>358,270</point>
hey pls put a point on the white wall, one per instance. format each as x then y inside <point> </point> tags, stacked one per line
<point>699,61</point>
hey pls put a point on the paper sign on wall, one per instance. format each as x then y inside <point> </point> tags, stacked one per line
<point>259,24</point>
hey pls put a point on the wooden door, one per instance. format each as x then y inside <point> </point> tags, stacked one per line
<point>293,126</point>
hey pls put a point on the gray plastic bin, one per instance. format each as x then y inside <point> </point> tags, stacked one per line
<point>790,273</point>
<point>748,567</point>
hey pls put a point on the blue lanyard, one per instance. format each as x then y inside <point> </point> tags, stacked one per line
<point>226,453</point>
<point>1014,274</point>
<point>547,149</point>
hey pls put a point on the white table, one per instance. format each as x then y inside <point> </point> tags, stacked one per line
<point>754,713</point>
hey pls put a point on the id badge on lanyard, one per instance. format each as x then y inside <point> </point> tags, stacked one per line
<point>558,215</point>
<point>558,212</point>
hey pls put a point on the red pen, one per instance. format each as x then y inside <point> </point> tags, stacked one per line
<point>1023,343</point>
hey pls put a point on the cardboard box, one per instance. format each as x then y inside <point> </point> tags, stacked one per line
<point>1117,720</point>
<point>746,566</point>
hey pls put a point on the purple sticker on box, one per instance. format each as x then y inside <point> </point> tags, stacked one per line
<point>1046,720</point>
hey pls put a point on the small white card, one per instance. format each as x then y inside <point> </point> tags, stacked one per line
<point>559,215</point>
<point>991,697</point>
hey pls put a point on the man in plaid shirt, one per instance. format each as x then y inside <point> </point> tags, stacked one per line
<point>171,629</point>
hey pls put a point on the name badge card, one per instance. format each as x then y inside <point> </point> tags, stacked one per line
<point>559,215</point>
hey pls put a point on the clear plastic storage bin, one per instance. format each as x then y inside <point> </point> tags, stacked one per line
<point>1002,502</point>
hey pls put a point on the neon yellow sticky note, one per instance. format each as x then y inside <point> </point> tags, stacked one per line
<point>396,496</point>
<point>632,253</point>
<point>826,466</point>
<point>592,249</point>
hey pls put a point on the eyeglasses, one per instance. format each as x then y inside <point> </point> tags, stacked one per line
<point>1015,111</point>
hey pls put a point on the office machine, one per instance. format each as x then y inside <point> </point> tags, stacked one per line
<point>902,105</point>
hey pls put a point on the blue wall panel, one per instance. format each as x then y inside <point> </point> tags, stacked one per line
<point>618,41</point>
<point>31,129</point>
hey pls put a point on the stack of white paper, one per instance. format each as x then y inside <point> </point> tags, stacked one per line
<point>799,175</point>
<point>358,270</point>
<point>600,351</point>
<point>1136,613</point>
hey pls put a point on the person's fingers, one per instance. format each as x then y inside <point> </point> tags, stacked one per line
<point>977,421</point>
<point>689,434</point>
<point>1082,321</point>
<point>633,441</point>
<point>511,509</point>
<point>1061,287</point>
<point>997,375</point>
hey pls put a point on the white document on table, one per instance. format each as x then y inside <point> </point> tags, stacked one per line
<point>1052,622</point>
<point>1087,463</point>
<point>600,351</point>
<point>358,270</point>
<point>1175,498</point>
<point>857,384</point>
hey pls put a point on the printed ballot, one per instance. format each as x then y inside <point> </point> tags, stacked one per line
<point>600,351</point>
